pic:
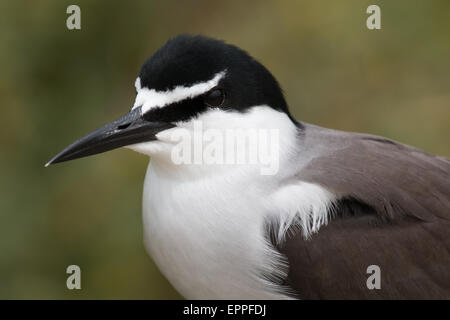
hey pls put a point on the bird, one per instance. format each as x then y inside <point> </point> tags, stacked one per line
<point>334,205</point>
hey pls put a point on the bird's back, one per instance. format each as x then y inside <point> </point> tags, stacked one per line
<point>392,211</point>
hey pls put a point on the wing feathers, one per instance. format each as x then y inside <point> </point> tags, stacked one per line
<point>394,212</point>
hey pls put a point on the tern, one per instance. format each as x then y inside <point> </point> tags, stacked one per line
<point>335,206</point>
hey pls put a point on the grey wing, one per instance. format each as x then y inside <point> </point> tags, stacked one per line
<point>393,212</point>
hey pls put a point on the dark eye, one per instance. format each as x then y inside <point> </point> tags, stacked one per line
<point>215,98</point>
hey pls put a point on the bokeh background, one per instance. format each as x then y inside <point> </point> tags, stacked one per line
<point>56,85</point>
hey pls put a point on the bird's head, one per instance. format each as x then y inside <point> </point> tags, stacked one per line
<point>190,78</point>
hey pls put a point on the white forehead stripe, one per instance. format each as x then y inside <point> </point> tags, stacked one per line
<point>137,84</point>
<point>150,98</point>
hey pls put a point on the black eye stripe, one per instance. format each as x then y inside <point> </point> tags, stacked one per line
<point>178,111</point>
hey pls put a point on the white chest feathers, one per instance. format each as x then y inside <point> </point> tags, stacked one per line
<point>208,235</point>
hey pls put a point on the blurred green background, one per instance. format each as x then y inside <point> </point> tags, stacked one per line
<point>56,85</point>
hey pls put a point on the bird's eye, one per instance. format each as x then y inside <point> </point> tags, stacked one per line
<point>215,98</point>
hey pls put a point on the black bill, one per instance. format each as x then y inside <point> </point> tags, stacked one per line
<point>127,130</point>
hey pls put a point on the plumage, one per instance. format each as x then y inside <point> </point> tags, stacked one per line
<point>393,211</point>
<point>335,204</point>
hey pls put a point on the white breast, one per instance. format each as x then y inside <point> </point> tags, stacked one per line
<point>206,240</point>
<point>207,236</point>
<point>206,230</point>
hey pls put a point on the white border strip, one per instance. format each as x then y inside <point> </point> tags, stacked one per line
<point>150,98</point>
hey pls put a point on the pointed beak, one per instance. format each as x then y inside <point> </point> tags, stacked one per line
<point>130,129</point>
